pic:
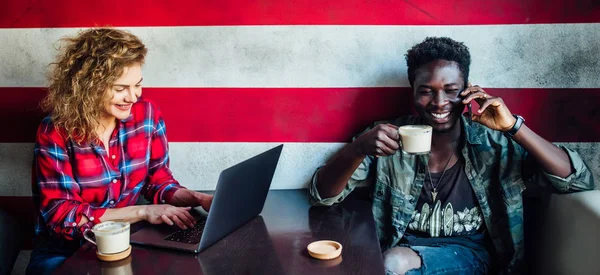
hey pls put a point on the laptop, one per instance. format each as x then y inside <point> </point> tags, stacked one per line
<point>239,197</point>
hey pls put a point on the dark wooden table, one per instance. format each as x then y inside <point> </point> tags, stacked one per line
<point>273,243</point>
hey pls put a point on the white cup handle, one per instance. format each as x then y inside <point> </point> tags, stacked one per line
<point>85,235</point>
<point>399,138</point>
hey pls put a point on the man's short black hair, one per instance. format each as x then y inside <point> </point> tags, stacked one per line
<point>434,48</point>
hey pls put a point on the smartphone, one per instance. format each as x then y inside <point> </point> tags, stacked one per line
<point>470,113</point>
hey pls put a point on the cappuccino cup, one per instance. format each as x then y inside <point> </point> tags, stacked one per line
<point>111,236</point>
<point>415,139</point>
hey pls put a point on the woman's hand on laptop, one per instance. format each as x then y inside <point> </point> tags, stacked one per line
<point>186,197</point>
<point>169,214</point>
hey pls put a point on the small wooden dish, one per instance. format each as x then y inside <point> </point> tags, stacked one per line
<point>324,250</point>
<point>114,257</point>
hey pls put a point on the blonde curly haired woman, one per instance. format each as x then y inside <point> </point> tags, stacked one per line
<point>100,148</point>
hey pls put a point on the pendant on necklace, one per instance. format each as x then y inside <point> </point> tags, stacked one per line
<point>434,194</point>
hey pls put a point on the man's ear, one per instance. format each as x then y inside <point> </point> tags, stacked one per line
<point>411,97</point>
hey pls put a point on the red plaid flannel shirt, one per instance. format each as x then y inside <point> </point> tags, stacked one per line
<point>71,180</point>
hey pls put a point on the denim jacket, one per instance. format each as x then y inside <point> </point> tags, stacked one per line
<point>497,168</point>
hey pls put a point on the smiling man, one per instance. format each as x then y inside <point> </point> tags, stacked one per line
<point>459,209</point>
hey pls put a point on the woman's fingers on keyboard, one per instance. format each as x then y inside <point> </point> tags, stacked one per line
<point>185,218</point>
<point>190,217</point>
<point>179,222</point>
<point>166,219</point>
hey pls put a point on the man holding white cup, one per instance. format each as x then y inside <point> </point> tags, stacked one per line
<point>457,207</point>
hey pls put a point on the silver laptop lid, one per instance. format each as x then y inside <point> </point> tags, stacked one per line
<point>240,195</point>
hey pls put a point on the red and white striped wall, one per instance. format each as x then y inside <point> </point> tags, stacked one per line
<point>234,78</point>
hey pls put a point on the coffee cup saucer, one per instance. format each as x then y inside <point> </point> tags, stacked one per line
<point>114,256</point>
<point>324,250</point>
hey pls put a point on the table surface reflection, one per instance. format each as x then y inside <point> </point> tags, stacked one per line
<point>273,243</point>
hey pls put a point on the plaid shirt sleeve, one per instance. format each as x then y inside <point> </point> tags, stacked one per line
<point>61,206</point>
<point>161,185</point>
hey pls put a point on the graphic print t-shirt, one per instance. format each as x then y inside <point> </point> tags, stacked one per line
<point>455,212</point>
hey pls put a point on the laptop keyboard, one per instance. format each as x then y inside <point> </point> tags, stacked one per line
<point>190,235</point>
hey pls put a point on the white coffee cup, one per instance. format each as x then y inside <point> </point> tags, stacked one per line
<point>111,236</point>
<point>416,139</point>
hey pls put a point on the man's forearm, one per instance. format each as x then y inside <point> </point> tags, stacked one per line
<point>551,158</point>
<point>333,177</point>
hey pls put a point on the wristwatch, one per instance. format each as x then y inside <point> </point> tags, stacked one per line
<point>513,131</point>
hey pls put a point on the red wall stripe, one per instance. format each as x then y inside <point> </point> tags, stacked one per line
<point>311,114</point>
<point>72,13</point>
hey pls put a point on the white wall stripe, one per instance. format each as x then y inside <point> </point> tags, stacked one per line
<point>197,165</point>
<point>504,56</point>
